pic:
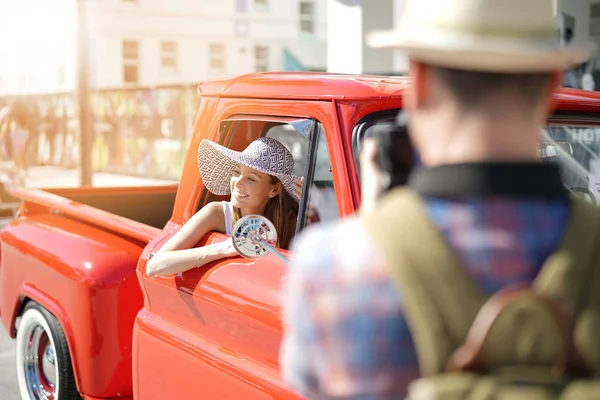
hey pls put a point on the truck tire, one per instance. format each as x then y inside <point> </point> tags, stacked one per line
<point>44,369</point>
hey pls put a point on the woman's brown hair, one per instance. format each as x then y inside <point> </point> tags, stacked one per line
<point>282,211</point>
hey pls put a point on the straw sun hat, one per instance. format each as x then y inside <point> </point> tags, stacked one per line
<point>510,36</point>
<point>216,164</point>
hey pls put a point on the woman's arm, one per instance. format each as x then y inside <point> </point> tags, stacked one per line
<point>176,255</point>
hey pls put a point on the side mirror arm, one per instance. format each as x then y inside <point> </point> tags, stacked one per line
<point>254,236</point>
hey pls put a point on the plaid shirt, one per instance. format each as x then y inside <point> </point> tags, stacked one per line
<point>345,332</point>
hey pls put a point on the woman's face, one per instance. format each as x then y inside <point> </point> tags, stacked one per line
<point>252,189</point>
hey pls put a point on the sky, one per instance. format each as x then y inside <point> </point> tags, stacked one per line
<point>37,45</point>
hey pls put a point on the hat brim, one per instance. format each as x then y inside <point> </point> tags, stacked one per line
<point>482,56</point>
<point>216,164</point>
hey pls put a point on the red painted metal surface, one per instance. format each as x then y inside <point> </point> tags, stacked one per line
<point>213,332</point>
<point>85,276</point>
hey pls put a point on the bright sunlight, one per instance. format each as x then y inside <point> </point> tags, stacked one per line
<point>39,42</point>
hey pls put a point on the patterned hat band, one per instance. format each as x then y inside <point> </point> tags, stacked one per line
<point>260,165</point>
<point>267,155</point>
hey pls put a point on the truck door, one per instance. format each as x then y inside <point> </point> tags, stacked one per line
<point>214,332</point>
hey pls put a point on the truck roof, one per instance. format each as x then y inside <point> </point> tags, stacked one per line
<point>306,86</point>
<point>332,86</point>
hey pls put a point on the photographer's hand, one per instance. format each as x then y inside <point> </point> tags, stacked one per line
<point>370,177</point>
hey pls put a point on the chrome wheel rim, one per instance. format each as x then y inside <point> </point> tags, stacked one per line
<point>40,364</point>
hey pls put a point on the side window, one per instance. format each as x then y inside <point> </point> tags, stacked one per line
<point>296,143</point>
<point>306,140</point>
<point>321,193</point>
<point>321,202</point>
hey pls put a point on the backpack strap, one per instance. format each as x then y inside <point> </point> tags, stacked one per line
<point>566,273</point>
<point>561,291</point>
<point>571,275</point>
<point>439,298</point>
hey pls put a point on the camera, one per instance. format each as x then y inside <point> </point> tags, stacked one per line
<point>395,156</point>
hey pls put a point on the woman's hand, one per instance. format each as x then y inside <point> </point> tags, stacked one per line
<point>312,215</point>
<point>370,178</point>
<point>179,253</point>
<point>299,187</point>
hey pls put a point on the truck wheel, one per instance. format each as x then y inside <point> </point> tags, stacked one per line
<point>44,369</point>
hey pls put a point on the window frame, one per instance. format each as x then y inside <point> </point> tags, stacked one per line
<point>169,52</point>
<point>261,64</point>
<point>361,127</point>
<point>226,132</point>
<point>307,18</point>
<point>217,57</point>
<point>131,60</point>
<point>594,25</point>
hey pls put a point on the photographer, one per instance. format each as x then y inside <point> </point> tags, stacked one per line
<point>482,86</point>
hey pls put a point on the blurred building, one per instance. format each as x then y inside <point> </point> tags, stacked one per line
<point>149,42</point>
<point>157,42</point>
<point>350,20</point>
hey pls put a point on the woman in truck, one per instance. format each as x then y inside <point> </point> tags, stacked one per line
<point>260,182</point>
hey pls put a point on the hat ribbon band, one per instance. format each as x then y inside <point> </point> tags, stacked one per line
<point>259,165</point>
<point>549,33</point>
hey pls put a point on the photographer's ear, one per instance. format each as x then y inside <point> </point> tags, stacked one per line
<point>554,85</point>
<point>417,91</point>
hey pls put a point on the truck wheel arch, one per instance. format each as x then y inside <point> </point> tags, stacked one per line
<point>52,342</point>
<point>32,295</point>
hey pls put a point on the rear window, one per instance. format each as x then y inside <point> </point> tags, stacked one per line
<point>573,147</point>
<point>576,150</point>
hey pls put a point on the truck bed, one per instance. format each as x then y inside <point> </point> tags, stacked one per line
<point>139,212</point>
<point>151,206</point>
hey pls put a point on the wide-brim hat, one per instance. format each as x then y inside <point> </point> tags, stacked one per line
<point>506,36</point>
<point>267,155</point>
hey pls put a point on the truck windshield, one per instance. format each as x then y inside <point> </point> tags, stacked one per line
<point>576,150</point>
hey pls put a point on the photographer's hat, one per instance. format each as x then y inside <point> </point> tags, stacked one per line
<point>482,35</point>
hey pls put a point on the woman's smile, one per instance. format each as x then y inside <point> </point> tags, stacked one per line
<point>240,195</point>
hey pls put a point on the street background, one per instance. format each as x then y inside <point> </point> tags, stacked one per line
<point>115,101</point>
<point>8,376</point>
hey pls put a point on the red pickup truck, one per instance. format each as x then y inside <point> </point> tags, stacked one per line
<point>90,323</point>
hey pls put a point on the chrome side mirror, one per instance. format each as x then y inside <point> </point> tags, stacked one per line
<point>255,236</point>
<point>556,149</point>
<point>567,147</point>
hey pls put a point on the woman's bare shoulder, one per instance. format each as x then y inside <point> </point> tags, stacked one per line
<point>211,208</point>
<point>211,213</point>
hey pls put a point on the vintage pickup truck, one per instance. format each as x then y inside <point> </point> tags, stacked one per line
<point>90,323</point>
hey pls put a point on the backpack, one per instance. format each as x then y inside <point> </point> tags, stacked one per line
<point>539,342</point>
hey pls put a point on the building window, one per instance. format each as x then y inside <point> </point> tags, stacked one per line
<point>595,19</point>
<point>241,6</point>
<point>168,55</point>
<point>260,5</point>
<point>261,57</point>
<point>307,16</point>
<point>130,61</point>
<point>216,57</point>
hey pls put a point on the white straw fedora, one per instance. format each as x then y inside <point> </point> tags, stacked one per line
<point>483,35</point>
<point>216,164</point>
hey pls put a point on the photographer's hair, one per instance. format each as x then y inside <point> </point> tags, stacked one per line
<point>474,90</point>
